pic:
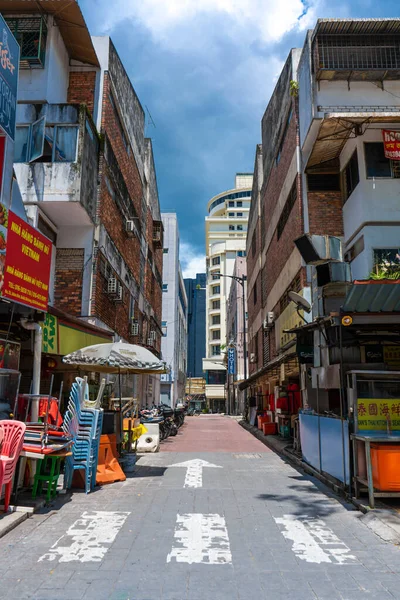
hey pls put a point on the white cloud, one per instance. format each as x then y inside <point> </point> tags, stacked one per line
<point>267,20</point>
<point>192,261</point>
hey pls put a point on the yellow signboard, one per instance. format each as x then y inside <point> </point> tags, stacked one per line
<point>50,335</point>
<point>378,414</point>
<point>391,355</point>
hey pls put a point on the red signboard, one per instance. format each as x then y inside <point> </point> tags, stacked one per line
<point>391,144</point>
<point>25,260</point>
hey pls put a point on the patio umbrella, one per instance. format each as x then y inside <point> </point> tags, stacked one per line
<point>116,358</point>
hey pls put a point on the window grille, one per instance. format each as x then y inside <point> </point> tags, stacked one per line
<point>31,35</point>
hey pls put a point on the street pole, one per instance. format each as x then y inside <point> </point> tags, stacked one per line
<point>244,329</point>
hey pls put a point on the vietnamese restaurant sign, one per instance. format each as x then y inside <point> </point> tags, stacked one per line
<point>391,144</point>
<point>25,261</point>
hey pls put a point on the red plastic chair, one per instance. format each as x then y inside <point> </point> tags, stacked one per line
<point>13,440</point>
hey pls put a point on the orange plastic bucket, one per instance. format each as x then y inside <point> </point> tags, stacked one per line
<point>385,459</point>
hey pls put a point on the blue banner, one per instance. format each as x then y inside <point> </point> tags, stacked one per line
<point>231,361</point>
<point>9,62</point>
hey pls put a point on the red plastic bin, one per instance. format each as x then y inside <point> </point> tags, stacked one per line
<point>269,428</point>
<point>261,420</point>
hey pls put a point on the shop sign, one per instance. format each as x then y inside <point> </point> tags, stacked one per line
<point>231,361</point>
<point>25,260</point>
<point>9,61</point>
<point>377,414</point>
<point>391,355</point>
<point>50,335</point>
<point>9,355</point>
<point>373,353</point>
<point>391,144</point>
<point>305,354</point>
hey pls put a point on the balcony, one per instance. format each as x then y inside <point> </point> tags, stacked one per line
<point>357,50</point>
<point>55,161</point>
<point>158,234</point>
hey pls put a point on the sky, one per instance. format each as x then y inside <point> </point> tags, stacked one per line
<point>204,71</point>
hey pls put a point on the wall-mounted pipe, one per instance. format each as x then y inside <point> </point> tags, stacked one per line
<point>37,361</point>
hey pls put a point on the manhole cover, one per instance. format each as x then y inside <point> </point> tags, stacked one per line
<point>247,455</point>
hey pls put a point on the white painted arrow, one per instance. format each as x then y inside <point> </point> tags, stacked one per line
<point>194,471</point>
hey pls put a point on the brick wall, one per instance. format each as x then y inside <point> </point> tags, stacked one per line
<point>325,213</point>
<point>68,280</point>
<point>81,88</point>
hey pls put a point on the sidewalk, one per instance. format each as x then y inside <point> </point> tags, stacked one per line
<point>384,521</point>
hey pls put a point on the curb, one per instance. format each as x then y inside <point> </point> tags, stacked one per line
<point>10,521</point>
<point>384,521</point>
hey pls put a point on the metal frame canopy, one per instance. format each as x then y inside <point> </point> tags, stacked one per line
<point>69,19</point>
<point>337,127</point>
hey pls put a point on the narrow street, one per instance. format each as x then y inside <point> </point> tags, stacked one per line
<point>242,524</point>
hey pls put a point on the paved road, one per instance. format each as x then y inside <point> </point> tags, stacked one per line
<point>250,526</point>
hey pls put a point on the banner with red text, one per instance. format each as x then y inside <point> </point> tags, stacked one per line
<point>391,144</point>
<point>25,261</point>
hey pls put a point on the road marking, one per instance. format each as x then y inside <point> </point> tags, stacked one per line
<point>88,539</point>
<point>194,471</point>
<point>313,541</point>
<point>201,539</point>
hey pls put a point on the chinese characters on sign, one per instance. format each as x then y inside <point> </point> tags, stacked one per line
<point>378,414</point>
<point>25,260</point>
<point>9,59</point>
<point>50,335</point>
<point>391,144</point>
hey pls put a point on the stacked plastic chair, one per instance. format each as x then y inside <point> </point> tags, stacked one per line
<point>84,425</point>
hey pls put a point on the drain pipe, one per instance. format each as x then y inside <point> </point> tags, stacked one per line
<point>37,360</point>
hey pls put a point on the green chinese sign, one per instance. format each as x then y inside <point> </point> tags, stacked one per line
<point>50,335</point>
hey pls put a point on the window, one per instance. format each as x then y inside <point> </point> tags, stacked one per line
<point>355,249</point>
<point>231,214</point>
<point>216,377</point>
<point>54,143</point>
<point>387,259</point>
<point>165,250</point>
<point>239,203</point>
<point>231,228</point>
<point>241,253</point>
<point>47,230</point>
<point>239,214</point>
<point>31,35</point>
<point>377,164</point>
<point>287,209</point>
<point>216,275</point>
<point>239,227</point>
<point>216,320</point>
<point>216,289</point>
<point>323,182</point>
<point>255,294</point>
<point>216,260</point>
<point>216,304</point>
<point>351,177</point>
<point>216,334</point>
<point>215,350</point>
<point>163,323</point>
<point>165,287</point>
<point>230,203</point>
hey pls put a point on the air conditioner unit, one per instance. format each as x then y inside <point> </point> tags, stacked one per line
<point>119,296</point>
<point>112,286</point>
<point>130,227</point>
<point>269,320</point>
<point>134,328</point>
<point>253,357</point>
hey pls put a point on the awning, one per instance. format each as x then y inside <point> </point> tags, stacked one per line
<point>356,26</point>
<point>337,127</point>
<point>367,297</point>
<point>283,358</point>
<point>69,19</point>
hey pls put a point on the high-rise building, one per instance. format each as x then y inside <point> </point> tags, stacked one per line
<point>226,227</point>
<point>174,315</point>
<point>196,295</point>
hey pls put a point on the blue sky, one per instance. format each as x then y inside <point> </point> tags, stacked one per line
<point>205,69</point>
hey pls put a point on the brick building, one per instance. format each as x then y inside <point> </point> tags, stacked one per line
<point>317,172</point>
<point>87,178</point>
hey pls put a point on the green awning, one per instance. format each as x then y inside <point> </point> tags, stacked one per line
<point>373,298</point>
